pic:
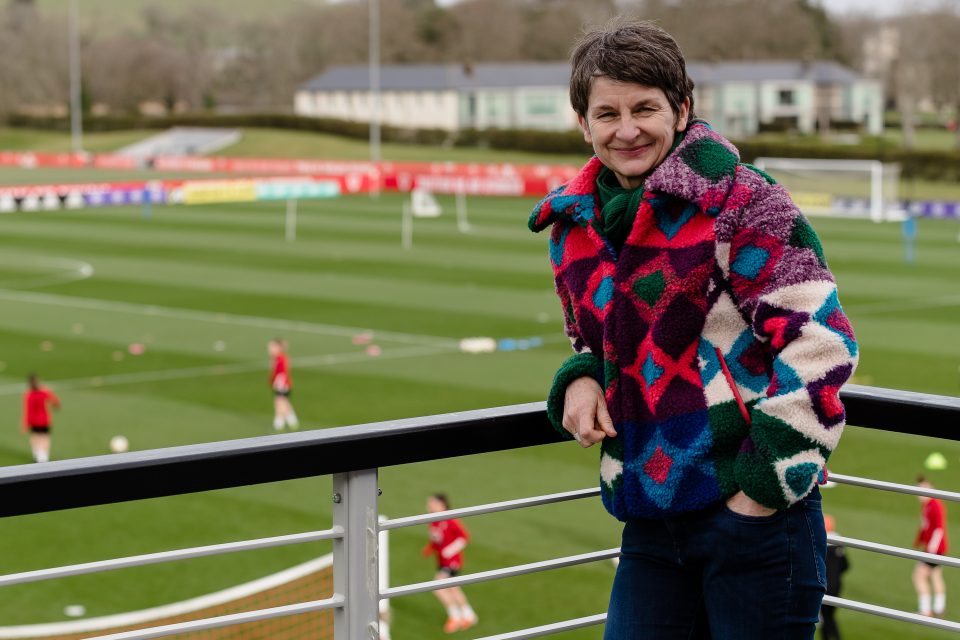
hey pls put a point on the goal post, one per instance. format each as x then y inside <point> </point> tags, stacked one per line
<point>842,188</point>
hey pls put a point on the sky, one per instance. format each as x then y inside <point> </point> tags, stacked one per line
<point>876,7</point>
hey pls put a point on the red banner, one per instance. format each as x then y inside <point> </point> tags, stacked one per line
<point>503,179</point>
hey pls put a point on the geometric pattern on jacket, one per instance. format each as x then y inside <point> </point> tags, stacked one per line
<point>715,332</point>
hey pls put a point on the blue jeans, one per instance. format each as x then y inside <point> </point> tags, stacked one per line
<point>715,574</point>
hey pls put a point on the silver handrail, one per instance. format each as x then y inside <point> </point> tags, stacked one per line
<point>168,556</point>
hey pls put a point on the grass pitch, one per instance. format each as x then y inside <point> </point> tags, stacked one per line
<point>204,288</point>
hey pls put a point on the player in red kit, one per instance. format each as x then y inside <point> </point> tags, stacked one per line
<point>282,384</point>
<point>448,539</point>
<point>36,417</point>
<point>931,538</point>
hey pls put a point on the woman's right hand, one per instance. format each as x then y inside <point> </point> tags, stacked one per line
<point>585,413</point>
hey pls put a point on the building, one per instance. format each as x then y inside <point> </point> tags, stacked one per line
<point>736,97</point>
<point>446,96</point>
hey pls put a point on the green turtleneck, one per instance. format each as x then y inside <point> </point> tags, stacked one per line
<point>618,207</point>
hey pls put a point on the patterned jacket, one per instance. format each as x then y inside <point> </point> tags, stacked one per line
<point>716,333</point>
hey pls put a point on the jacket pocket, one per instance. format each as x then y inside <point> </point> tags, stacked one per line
<point>733,386</point>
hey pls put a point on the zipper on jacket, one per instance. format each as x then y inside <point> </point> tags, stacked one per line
<point>733,386</point>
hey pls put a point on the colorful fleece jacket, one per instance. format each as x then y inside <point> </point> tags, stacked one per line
<point>716,333</point>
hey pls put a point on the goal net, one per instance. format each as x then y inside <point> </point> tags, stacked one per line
<point>843,188</point>
<point>311,580</point>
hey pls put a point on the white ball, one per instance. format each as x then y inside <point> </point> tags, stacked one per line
<point>119,444</point>
<point>75,611</point>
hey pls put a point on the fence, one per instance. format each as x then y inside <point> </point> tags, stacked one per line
<point>353,455</point>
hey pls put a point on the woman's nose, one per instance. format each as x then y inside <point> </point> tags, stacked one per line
<point>627,130</point>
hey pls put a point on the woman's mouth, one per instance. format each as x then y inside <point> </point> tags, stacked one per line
<point>633,151</point>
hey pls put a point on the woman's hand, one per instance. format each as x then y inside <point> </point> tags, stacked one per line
<point>585,413</point>
<point>746,506</point>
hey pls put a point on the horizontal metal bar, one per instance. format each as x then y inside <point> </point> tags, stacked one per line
<point>168,556</point>
<point>226,621</point>
<point>883,485</point>
<point>895,614</point>
<point>496,574</point>
<point>886,549</point>
<point>493,507</point>
<point>921,414</point>
<point>549,629</point>
<point>138,475</point>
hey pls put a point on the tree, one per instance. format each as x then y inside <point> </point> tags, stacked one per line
<point>743,29</point>
<point>34,71</point>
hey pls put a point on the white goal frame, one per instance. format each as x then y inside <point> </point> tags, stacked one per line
<point>880,208</point>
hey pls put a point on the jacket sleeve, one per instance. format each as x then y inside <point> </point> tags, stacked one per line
<point>787,294</point>
<point>582,363</point>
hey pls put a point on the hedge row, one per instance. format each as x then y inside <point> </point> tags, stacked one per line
<point>535,141</point>
<point>928,165</point>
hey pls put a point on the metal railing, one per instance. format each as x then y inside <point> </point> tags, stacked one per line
<point>353,455</point>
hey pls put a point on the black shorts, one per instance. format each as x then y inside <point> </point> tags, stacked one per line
<point>449,572</point>
<point>281,393</point>
<point>40,429</point>
<point>932,565</point>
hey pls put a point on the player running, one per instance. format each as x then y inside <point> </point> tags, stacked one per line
<point>36,417</point>
<point>931,538</point>
<point>448,539</point>
<point>281,383</point>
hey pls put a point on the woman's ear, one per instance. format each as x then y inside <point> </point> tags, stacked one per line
<point>684,115</point>
<point>586,129</point>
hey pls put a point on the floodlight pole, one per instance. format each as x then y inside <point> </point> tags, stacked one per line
<point>76,108</point>
<point>375,88</point>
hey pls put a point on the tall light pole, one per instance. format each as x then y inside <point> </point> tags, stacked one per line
<point>375,81</point>
<point>76,108</point>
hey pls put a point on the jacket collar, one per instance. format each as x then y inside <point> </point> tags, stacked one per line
<point>700,170</point>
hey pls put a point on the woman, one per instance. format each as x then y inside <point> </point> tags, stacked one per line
<point>36,417</point>
<point>709,352</point>
<point>282,385</point>
<point>932,538</point>
<point>448,539</point>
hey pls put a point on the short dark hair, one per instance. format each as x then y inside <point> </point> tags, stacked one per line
<point>442,497</point>
<point>634,51</point>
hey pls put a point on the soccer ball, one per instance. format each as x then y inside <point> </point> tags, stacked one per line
<point>119,444</point>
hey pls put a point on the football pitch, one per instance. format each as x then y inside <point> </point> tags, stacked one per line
<point>201,290</point>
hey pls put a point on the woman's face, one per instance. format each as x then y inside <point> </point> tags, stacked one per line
<point>631,127</point>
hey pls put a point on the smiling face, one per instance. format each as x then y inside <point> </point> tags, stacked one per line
<point>631,127</point>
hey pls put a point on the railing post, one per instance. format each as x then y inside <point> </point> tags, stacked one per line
<point>355,566</point>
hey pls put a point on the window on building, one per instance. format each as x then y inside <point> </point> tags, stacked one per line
<point>540,105</point>
<point>497,106</point>
<point>786,97</point>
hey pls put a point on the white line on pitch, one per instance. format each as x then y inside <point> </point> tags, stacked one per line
<point>72,271</point>
<point>94,382</point>
<point>904,305</point>
<point>220,318</point>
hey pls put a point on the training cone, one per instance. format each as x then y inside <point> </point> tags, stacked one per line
<point>935,462</point>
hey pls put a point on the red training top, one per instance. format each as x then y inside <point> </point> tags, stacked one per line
<point>933,528</point>
<point>280,379</point>
<point>447,540</point>
<point>35,412</point>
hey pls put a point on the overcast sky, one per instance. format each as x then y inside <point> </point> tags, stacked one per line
<point>876,7</point>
